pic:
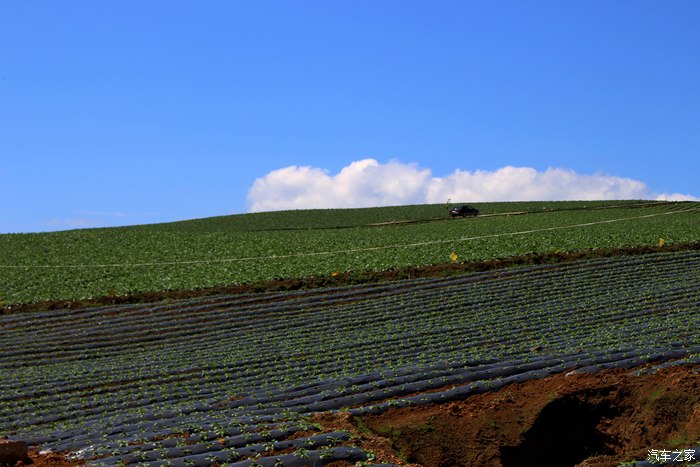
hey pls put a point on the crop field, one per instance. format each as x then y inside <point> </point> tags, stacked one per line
<point>237,380</point>
<point>251,248</point>
<point>294,378</point>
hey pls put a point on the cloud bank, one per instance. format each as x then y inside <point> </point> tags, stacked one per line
<point>368,183</point>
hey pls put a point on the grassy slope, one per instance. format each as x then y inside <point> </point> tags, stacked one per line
<point>255,247</point>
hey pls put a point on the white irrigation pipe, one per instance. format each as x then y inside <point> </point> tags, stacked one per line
<point>354,250</point>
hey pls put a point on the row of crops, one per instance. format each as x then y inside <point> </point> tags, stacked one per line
<point>251,248</point>
<point>234,380</point>
<point>306,219</point>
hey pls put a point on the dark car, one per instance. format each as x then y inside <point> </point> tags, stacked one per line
<point>464,211</point>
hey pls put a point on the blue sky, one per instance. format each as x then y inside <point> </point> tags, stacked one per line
<point>126,112</point>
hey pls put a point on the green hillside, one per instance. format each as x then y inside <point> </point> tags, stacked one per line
<point>249,248</point>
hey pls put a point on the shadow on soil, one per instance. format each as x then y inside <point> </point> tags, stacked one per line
<point>591,420</point>
<point>567,430</point>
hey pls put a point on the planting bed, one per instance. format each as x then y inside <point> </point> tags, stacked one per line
<point>601,420</point>
<point>248,379</point>
<point>253,249</point>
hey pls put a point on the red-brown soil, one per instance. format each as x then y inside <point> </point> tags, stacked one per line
<point>575,419</point>
<point>592,420</point>
<point>51,459</point>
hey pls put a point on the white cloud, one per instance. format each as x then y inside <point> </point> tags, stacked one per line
<point>676,197</point>
<point>526,184</point>
<point>369,183</point>
<point>86,219</point>
<point>362,183</point>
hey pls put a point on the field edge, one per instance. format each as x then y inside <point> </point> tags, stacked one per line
<point>349,278</point>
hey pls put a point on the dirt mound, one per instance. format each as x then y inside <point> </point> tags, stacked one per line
<point>588,420</point>
<point>49,459</point>
<point>575,419</point>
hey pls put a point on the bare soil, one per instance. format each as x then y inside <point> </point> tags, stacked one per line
<point>51,459</point>
<point>577,419</point>
<point>573,419</point>
<point>591,420</point>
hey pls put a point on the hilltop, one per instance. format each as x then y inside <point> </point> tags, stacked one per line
<point>534,334</point>
<point>309,248</point>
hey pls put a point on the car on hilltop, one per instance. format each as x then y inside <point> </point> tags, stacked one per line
<point>464,211</point>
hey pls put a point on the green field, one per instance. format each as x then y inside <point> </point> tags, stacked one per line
<point>236,380</point>
<point>249,248</point>
<point>242,379</point>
